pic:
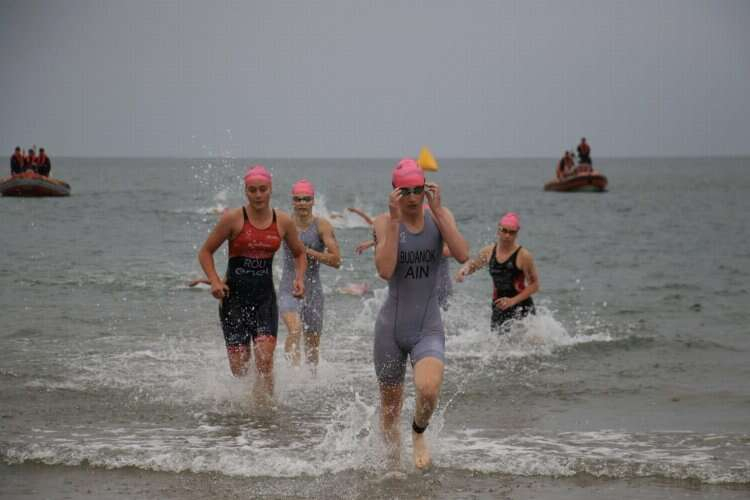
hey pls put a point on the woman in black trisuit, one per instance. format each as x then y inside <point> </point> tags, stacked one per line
<point>514,276</point>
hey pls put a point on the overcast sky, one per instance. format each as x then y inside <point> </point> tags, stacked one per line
<point>376,78</point>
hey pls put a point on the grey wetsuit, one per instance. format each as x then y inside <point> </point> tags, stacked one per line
<point>310,307</point>
<point>444,284</point>
<point>409,323</point>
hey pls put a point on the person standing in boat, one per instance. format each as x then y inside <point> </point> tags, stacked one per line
<point>408,246</point>
<point>513,273</point>
<point>304,316</point>
<point>584,152</point>
<point>17,161</point>
<point>43,163</point>
<point>247,309</point>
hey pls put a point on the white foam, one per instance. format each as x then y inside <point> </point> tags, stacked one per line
<point>351,442</point>
<point>539,334</point>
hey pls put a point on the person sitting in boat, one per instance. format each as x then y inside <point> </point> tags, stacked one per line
<point>30,162</point>
<point>560,170</point>
<point>570,163</point>
<point>584,152</point>
<point>16,162</point>
<point>565,166</point>
<point>43,163</point>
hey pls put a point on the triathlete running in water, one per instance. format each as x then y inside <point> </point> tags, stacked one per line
<point>409,244</point>
<point>248,310</point>
<point>514,276</point>
<point>305,315</point>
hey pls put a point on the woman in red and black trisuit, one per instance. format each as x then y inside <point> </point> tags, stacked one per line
<point>248,309</point>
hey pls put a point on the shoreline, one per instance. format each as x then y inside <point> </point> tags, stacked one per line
<point>36,481</point>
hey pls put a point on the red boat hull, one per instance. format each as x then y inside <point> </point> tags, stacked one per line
<point>30,184</point>
<point>584,178</point>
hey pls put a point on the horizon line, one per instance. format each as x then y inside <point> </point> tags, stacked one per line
<point>389,158</point>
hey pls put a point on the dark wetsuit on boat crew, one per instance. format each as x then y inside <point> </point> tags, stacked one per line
<point>250,311</point>
<point>409,323</point>
<point>44,166</point>
<point>584,154</point>
<point>16,164</point>
<point>508,281</point>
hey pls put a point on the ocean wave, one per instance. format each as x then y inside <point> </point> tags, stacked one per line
<point>670,286</point>
<point>710,459</point>
<point>122,280</point>
<point>536,335</point>
<point>706,458</point>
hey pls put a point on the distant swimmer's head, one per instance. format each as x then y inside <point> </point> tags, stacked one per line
<point>258,186</point>
<point>407,173</point>
<point>303,195</point>
<point>510,224</point>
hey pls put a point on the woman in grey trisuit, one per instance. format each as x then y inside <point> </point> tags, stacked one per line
<point>513,273</point>
<point>409,243</point>
<point>247,308</point>
<point>305,315</point>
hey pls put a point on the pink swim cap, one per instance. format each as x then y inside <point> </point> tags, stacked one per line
<point>511,221</point>
<point>303,186</point>
<point>257,172</point>
<point>407,173</point>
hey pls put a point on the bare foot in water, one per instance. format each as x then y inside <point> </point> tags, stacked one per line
<point>422,458</point>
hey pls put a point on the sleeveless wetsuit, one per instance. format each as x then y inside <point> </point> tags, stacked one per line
<point>409,322</point>
<point>249,311</point>
<point>508,281</point>
<point>444,284</point>
<point>310,308</point>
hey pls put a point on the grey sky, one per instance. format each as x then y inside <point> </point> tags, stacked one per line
<point>376,79</point>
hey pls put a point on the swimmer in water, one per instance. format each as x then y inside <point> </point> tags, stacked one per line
<point>247,300</point>
<point>513,273</point>
<point>362,246</point>
<point>305,314</point>
<point>408,246</point>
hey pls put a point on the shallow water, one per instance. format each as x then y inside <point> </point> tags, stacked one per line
<point>635,366</point>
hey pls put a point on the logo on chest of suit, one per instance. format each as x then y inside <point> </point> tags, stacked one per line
<point>402,237</point>
<point>253,267</point>
<point>418,262</point>
<point>271,243</point>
